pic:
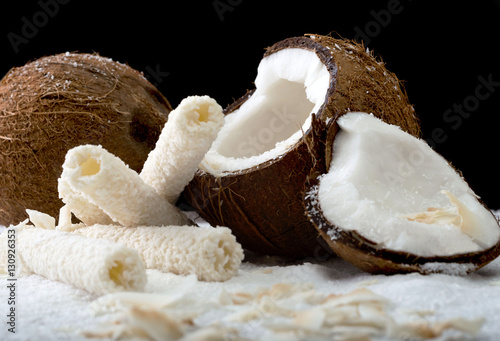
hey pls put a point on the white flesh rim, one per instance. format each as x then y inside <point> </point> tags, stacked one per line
<point>393,189</point>
<point>290,85</point>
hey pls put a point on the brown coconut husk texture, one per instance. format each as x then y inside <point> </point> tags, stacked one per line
<point>55,103</point>
<point>264,205</point>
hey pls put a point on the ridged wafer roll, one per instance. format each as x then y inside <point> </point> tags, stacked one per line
<point>185,139</point>
<point>108,183</point>
<point>98,266</point>
<point>213,254</point>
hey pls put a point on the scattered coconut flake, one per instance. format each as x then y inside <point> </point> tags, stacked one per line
<point>427,330</point>
<point>120,301</point>
<point>282,311</point>
<point>266,271</point>
<point>41,220</point>
<point>140,322</point>
<point>454,269</point>
<point>367,283</point>
<point>333,233</point>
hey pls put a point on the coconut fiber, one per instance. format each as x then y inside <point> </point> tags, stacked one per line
<point>55,103</point>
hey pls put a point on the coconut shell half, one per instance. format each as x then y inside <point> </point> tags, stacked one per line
<point>370,257</point>
<point>55,103</point>
<point>361,207</point>
<point>263,203</point>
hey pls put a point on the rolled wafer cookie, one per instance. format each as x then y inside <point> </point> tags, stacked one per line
<point>185,139</point>
<point>213,254</point>
<point>97,266</point>
<point>108,184</point>
<point>80,206</point>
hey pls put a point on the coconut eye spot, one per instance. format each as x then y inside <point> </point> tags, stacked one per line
<point>291,84</point>
<point>90,166</point>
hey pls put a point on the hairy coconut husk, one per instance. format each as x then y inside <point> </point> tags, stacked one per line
<point>264,205</point>
<point>55,103</point>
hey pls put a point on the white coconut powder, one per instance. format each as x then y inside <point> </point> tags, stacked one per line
<point>457,307</point>
<point>454,269</point>
<point>58,311</point>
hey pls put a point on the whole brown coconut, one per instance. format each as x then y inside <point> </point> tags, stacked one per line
<point>312,79</point>
<point>55,103</point>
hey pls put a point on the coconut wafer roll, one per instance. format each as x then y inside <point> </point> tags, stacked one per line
<point>83,209</point>
<point>98,266</point>
<point>213,254</point>
<point>185,139</point>
<point>105,181</point>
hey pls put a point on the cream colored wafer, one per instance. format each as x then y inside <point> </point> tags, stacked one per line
<point>98,266</point>
<point>106,182</point>
<point>213,254</point>
<point>185,139</point>
<point>83,209</point>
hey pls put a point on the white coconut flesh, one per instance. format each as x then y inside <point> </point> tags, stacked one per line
<point>394,190</point>
<point>291,84</point>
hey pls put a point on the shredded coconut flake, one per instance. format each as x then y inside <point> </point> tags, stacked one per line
<point>453,269</point>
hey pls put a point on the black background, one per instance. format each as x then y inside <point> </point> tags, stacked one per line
<point>440,51</point>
